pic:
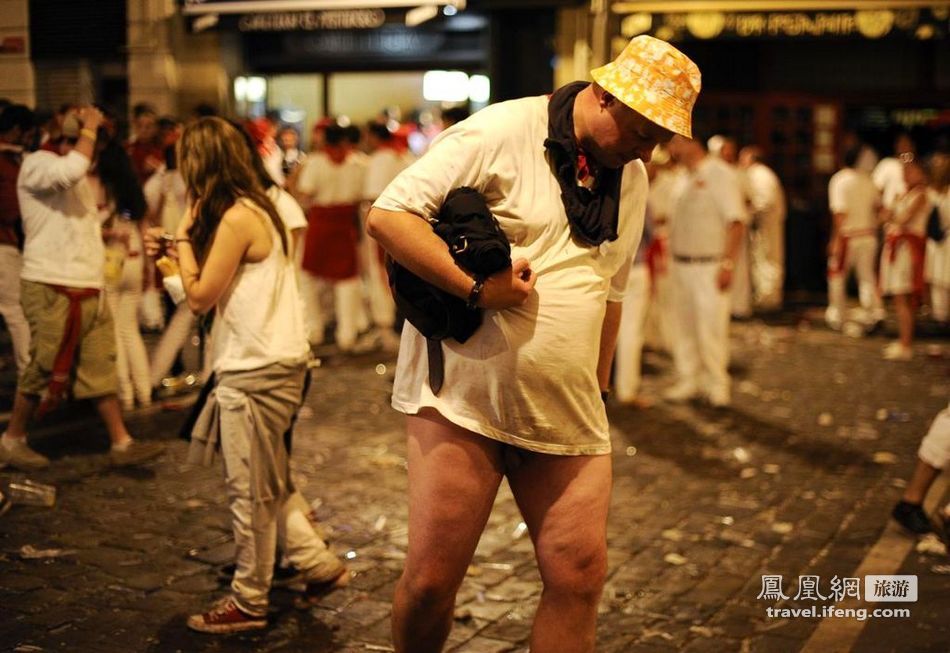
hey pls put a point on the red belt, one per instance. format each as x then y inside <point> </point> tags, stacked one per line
<point>837,266</point>
<point>918,249</point>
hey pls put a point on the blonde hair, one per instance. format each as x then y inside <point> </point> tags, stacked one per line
<point>215,164</point>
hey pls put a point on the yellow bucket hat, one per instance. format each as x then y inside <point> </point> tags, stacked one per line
<point>656,80</point>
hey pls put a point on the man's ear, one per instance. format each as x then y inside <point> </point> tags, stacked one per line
<point>606,99</point>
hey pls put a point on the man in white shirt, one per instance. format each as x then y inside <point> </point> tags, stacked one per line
<point>854,202</point>
<point>522,396</point>
<point>62,280</point>
<point>767,237</point>
<point>707,232</point>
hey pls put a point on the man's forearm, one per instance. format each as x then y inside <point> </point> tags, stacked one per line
<point>411,242</point>
<point>608,343</point>
<point>734,240</point>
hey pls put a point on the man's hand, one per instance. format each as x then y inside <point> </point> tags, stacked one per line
<point>157,243</point>
<point>834,246</point>
<point>90,117</point>
<point>724,277</point>
<point>510,287</point>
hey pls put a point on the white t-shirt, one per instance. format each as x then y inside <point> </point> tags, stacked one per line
<point>259,318</point>
<point>166,189</point>
<point>888,176</point>
<point>382,167</point>
<point>527,377</point>
<point>328,184</point>
<point>854,194</point>
<point>61,222</point>
<point>287,208</point>
<point>708,200</point>
<point>765,192</point>
<point>661,193</point>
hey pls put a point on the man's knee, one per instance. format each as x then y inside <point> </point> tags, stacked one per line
<point>430,588</point>
<point>577,571</point>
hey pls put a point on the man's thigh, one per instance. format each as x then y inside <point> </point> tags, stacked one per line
<point>454,476</point>
<point>10,265</point>
<point>564,501</point>
<point>95,364</point>
<point>46,313</point>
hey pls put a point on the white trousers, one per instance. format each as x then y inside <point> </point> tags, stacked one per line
<point>940,302</point>
<point>741,289</point>
<point>630,337</point>
<point>131,357</point>
<point>935,447</point>
<point>659,323</point>
<point>701,335</point>
<point>174,338</point>
<point>347,305</point>
<point>382,308</point>
<point>861,257</point>
<point>11,262</point>
<point>768,262</point>
<point>289,527</point>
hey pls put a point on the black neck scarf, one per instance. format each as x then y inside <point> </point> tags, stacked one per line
<point>592,214</point>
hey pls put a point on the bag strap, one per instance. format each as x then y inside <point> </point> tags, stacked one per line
<point>436,364</point>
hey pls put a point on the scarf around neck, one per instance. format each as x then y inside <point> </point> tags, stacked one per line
<point>592,214</point>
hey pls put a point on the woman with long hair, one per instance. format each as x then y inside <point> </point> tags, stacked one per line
<point>122,205</point>
<point>235,255</point>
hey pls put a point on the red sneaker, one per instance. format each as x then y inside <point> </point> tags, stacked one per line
<point>225,617</point>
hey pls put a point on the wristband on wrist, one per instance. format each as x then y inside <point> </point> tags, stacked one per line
<point>475,293</point>
<point>183,240</point>
<point>88,133</point>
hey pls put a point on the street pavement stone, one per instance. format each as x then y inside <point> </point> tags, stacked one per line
<point>797,478</point>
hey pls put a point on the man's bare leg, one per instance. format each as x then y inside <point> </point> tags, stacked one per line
<point>453,478</point>
<point>923,477</point>
<point>111,414</point>
<point>23,408</point>
<point>564,501</point>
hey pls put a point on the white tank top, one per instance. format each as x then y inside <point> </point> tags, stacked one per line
<point>259,319</point>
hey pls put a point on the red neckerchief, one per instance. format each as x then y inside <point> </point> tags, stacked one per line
<point>336,153</point>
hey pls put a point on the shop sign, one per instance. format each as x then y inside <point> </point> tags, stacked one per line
<point>380,43</point>
<point>309,21</point>
<point>871,24</point>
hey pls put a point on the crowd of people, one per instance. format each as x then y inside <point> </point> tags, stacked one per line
<point>714,247</point>
<point>626,229</point>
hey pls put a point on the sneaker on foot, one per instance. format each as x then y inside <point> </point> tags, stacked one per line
<point>135,452</point>
<point>317,589</point>
<point>898,352</point>
<point>225,617</point>
<point>912,517</point>
<point>15,452</point>
<point>720,398</point>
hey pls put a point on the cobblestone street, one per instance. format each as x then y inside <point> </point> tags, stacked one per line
<point>797,479</point>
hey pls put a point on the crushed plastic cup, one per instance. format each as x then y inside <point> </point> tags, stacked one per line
<point>30,493</point>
